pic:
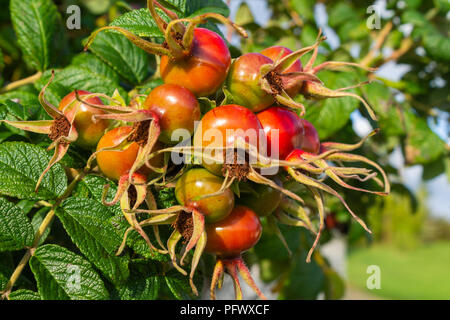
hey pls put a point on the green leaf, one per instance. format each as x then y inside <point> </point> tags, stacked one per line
<point>97,7</point>
<point>143,284</point>
<point>26,205</point>
<point>378,96</point>
<point>61,275</point>
<point>332,114</point>
<point>304,8</point>
<point>179,285</point>
<point>413,4</point>
<point>25,98</point>
<point>206,104</point>
<point>92,187</point>
<point>197,7</point>
<point>442,5</point>
<point>334,285</point>
<point>414,17</point>
<point>341,13</point>
<point>2,62</point>
<point>23,294</point>
<point>92,62</point>
<point>16,109</point>
<point>149,86</point>
<point>122,55</point>
<point>21,164</point>
<point>437,46</point>
<point>304,280</point>
<point>34,22</point>
<point>139,22</point>
<point>433,169</point>
<point>165,198</point>
<point>244,15</point>
<point>422,144</point>
<point>87,223</point>
<point>16,231</point>
<point>6,268</point>
<point>93,78</point>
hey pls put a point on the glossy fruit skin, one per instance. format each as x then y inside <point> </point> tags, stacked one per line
<point>204,70</point>
<point>114,164</point>
<point>89,133</point>
<point>243,82</point>
<point>176,107</point>
<point>235,234</point>
<point>296,155</point>
<point>311,141</point>
<point>290,130</point>
<point>266,201</point>
<point>199,182</point>
<point>278,52</point>
<point>223,118</point>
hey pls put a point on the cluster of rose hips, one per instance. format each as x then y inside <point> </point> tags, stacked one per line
<point>257,144</point>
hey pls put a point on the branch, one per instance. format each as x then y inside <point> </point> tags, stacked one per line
<point>379,40</point>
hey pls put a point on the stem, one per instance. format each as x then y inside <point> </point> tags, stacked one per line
<point>367,60</point>
<point>405,45</point>
<point>22,82</point>
<point>37,237</point>
<point>172,15</point>
<point>159,21</point>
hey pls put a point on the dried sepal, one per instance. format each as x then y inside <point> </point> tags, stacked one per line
<point>172,242</point>
<point>199,248</point>
<point>318,197</point>
<point>234,267</point>
<point>311,182</point>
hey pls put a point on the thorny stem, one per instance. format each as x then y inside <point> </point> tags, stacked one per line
<point>21,82</point>
<point>37,237</point>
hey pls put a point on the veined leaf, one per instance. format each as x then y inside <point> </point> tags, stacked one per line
<point>21,164</point>
<point>139,22</point>
<point>16,231</point>
<point>80,77</point>
<point>143,284</point>
<point>87,223</point>
<point>197,7</point>
<point>61,275</point>
<point>122,55</point>
<point>23,294</point>
<point>179,285</point>
<point>92,187</point>
<point>330,115</point>
<point>34,22</point>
